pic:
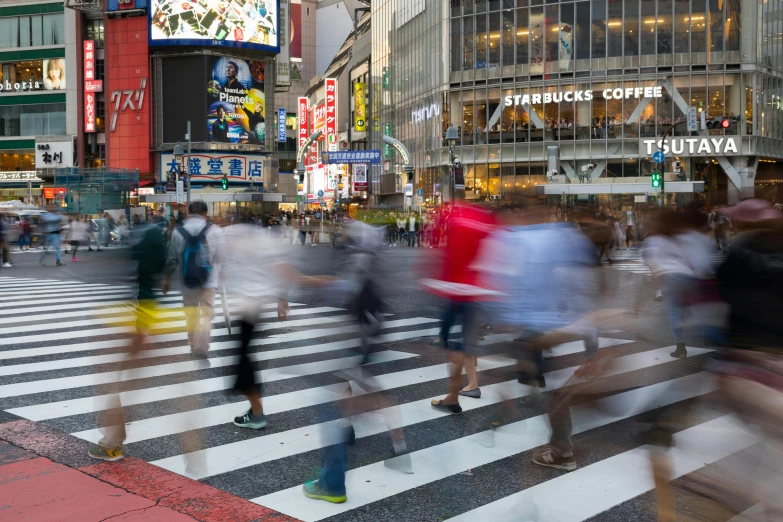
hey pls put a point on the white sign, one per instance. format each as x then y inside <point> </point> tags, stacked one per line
<point>586,95</point>
<point>213,166</point>
<point>146,191</point>
<point>180,192</point>
<point>53,154</point>
<point>718,146</point>
<point>425,113</point>
<point>283,61</point>
<point>639,199</point>
<point>692,124</point>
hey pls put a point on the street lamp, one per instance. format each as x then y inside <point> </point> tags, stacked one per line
<point>452,136</point>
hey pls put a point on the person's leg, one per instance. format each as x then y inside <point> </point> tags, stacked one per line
<point>206,311</point>
<point>190,304</point>
<point>75,248</point>
<point>672,286</point>
<point>470,325</point>
<point>246,380</point>
<point>56,242</point>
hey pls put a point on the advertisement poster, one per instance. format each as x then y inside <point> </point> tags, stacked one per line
<point>566,51</point>
<point>234,23</point>
<point>537,41</point>
<point>359,177</point>
<point>296,29</point>
<point>302,125</point>
<point>330,86</point>
<point>237,104</point>
<point>360,110</point>
<point>213,166</point>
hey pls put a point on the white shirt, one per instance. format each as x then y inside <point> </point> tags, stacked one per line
<point>412,224</point>
<point>629,215</point>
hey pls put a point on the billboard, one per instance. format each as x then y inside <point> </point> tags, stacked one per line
<point>360,107</point>
<point>237,106</point>
<point>330,86</point>
<point>207,166</point>
<point>250,24</point>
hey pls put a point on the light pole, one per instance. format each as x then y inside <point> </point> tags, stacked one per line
<point>452,136</point>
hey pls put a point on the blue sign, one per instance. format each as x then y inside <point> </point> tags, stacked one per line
<point>658,156</point>
<point>114,5</point>
<point>351,157</point>
<point>281,125</point>
<point>421,192</point>
<point>320,193</point>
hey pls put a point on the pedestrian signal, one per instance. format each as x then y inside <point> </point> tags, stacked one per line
<point>224,183</point>
<point>656,180</point>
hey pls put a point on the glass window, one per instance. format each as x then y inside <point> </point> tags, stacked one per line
<point>36,31</point>
<point>467,118</point>
<point>664,26</point>
<point>682,86</point>
<point>599,28</point>
<point>17,159</point>
<point>494,40</point>
<point>663,109</point>
<point>647,29</point>
<point>480,182</point>
<point>630,104</point>
<point>537,41</point>
<point>698,27</point>
<point>9,32</point>
<point>599,112</point>
<point>615,23</point>
<point>716,101</point>
<point>467,38</point>
<point>507,120</point>
<point>699,95</point>
<point>24,31</point>
<point>494,111</point>
<point>522,120</point>
<point>582,36</point>
<point>32,120</point>
<point>455,8</point>
<point>481,6</point>
<point>614,113</point>
<point>566,125</point>
<point>481,41</point>
<point>53,29</point>
<point>480,110</point>
<point>507,178</point>
<point>552,40</point>
<point>566,38</point>
<point>494,179</point>
<point>715,33</point>
<point>734,102</point>
<point>682,26</point>
<point>456,47</point>
<point>551,114</point>
<point>494,5</point>
<point>733,21</point>
<point>93,30</point>
<point>467,7</point>
<point>508,37</point>
<point>523,34</point>
<point>631,27</point>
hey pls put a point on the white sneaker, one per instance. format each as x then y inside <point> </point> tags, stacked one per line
<point>7,265</point>
<point>546,353</point>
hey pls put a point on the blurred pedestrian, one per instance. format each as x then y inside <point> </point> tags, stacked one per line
<point>51,225</point>
<point>78,235</point>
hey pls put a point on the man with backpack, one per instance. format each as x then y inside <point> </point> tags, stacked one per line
<point>195,252</point>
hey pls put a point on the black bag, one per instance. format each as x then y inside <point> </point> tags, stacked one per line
<point>195,261</point>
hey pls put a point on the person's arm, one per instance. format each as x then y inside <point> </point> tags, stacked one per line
<point>172,261</point>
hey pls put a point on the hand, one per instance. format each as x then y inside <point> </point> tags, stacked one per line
<point>282,309</point>
<point>164,285</point>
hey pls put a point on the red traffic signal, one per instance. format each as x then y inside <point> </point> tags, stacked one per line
<point>725,124</point>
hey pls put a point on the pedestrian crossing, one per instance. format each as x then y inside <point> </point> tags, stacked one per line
<point>60,358</point>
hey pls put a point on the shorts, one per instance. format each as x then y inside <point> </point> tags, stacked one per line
<point>148,315</point>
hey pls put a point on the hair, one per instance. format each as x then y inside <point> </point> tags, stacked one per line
<point>234,65</point>
<point>198,207</point>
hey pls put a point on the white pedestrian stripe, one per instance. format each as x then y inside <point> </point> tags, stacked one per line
<point>65,342</point>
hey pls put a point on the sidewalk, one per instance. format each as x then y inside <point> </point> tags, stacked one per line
<point>47,476</point>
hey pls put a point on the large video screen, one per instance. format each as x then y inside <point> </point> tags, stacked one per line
<point>249,24</point>
<point>237,105</point>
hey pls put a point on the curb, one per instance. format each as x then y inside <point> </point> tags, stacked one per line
<point>168,490</point>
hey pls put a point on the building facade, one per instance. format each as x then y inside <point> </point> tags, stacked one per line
<point>541,93</point>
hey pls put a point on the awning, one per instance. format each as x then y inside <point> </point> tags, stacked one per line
<point>557,189</point>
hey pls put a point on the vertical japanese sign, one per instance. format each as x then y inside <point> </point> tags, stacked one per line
<point>386,132</point>
<point>302,124</point>
<point>283,77</point>
<point>360,107</point>
<point>331,113</point>
<point>281,114</point>
<point>89,76</point>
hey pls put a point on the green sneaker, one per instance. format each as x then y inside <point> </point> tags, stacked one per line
<point>109,455</point>
<point>312,490</point>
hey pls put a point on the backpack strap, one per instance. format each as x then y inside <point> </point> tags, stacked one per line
<point>185,234</point>
<point>202,236</point>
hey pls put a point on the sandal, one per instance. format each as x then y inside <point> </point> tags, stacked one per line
<point>455,409</point>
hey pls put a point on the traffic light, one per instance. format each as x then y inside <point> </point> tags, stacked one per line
<point>224,183</point>
<point>656,180</point>
<point>719,123</point>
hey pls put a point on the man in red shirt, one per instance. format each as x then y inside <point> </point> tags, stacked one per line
<point>459,283</point>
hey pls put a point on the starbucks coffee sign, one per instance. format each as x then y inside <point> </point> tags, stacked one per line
<point>585,95</point>
<point>717,146</point>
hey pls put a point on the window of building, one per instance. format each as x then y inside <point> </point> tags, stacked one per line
<point>456,47</point>
<point>716,23</point>
<point>32,120</point>
<point>523,35</point>
<point>467,43</point>
<point>582,31</point>
<point>599,29</point>
<point>663,26</point>
<point>647,28</point>
<point>698,27</point>
<point>631,19</point>
<point>682,26</point>
<point>552,38</point>
<point>17,159</point>
<point>93,30</point>
<point>733,21</point>
<point>481,42</point>
<point>508,37</point>
<point>32,31</point>
<point>537,40</point>
<point>494,110</point>
<point>455,8</point>
<point>615,25</point>
<point>494,40</point>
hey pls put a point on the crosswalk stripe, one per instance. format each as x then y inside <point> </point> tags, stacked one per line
<point>122,319</point>
<point>57,285</point>
<point>609,482</point>
<point>220,345</point>
<point>172,424</point>
<point>69,299</point>
<point>53,293</point>
<point>251,452</point>
<point>374,482</point>
<point>67,408</point>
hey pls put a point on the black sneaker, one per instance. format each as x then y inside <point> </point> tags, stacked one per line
<point>248,420</point>
<point>454,409</point>
<point>551,458</point>
<point>59,263</point>
<point>525,378</point>
<point>680,352</point>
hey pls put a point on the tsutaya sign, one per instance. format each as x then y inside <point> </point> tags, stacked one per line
<point>719,146</point>
<point>586,95</point>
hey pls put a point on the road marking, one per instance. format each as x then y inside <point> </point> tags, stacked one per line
<point>375,482</point>
<point>251,452</point>
<point>595,488</point>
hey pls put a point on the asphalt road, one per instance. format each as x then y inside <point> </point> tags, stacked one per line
<point>60,348</point>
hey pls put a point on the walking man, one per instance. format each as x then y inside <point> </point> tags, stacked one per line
<point>50,228</point>
<point>195,253</point>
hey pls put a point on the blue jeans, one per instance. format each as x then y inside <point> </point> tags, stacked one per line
<point>52,240</point>
<point>24,240</point>
<point>452,312</point>
<point>332,476</point>
<point>674,287</point>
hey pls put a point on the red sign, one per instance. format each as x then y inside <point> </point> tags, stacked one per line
<point>319,119</point>
<point>89,77</point>
<point>48,192</point>
<point>93,85</point>
<point>303,106</point>
<point>331,113</point>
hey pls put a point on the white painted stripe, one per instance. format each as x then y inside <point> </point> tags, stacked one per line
<point>178,336</point>
<point>154,427</point>
<point>375,482</point>
<point>251,452</point>
<point>55,285</point>
<point>222,345</point>
<point>601,486</point>
<point>67,408</point>
<point>282,353</point>
<point>126,319</point>
<point>83,290</point>
<point>2,279</point>
<point>752,514</point>
<point>33,303</point>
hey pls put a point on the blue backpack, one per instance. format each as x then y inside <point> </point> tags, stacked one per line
<point>195,262</point>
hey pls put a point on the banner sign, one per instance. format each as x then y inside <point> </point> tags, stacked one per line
<point>565,36</point>
<point>360,177</point>
<point>303,131</point>
<point>717,146</point>
<point>237,110</point>
<point>360,107</point>
<point>281,125</point>
<point>213,166</point>
<point>351,157</point>
<point>89,94</point>
<point>331,113</point>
